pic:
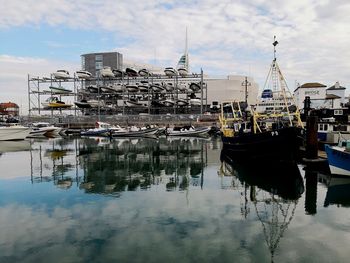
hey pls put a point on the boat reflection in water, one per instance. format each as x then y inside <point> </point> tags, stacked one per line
<point>274,189</point>
<point>111,166</point>
<point>338,190</point>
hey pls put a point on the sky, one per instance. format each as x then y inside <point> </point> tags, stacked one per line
<point>224,37</point>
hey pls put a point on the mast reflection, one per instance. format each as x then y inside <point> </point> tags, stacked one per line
<point>274,189</point>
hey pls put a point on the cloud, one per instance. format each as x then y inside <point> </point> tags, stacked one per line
<point>224,37</point>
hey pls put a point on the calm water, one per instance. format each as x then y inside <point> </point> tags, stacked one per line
<point>145,200</point>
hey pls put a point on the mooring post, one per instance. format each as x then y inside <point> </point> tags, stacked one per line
<point>311,137</point>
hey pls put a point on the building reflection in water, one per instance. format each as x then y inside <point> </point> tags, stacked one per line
<point>101,165</point>
<point>270,189</point>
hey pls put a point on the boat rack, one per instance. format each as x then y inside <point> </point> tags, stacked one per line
<point>116,102</point>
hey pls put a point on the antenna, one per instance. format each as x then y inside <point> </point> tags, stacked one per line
<point>275,42</point>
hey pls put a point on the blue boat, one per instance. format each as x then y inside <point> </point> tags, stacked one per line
<point>339,158</point>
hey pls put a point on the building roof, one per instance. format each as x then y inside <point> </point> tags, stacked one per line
<point>332,96</point>
<point>336,88</point>
<point>5,105</point>
<point>311,85</point>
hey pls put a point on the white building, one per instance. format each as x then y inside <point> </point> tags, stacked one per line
<point>320,96</point>
<point>231,88</point>
<point>316,91</point>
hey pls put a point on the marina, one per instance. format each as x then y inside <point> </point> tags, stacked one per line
<point>171,131</point>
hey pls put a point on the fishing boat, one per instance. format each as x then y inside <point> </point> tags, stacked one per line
<point>55,103</point>
<point>106,72</point>
<point>170,72</point>
<point>59,90</point>
<point>61,74</point>
<point>339,157</point>
<point>131,72</point>
<point>188,130</point>
<point>14,132</point>
<point>83,74</point>
<point>249,134</point>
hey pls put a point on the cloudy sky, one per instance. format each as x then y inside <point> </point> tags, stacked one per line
<point>225,37</point>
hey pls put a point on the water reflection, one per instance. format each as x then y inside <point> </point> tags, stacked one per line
<point>338,190</point>
<point>274,189</point>
<point>101,165</point>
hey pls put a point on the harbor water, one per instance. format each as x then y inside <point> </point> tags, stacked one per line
<point>164,200</point>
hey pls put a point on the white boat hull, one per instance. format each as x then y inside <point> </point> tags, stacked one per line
<point>14,133</point>
<point>60,75</point>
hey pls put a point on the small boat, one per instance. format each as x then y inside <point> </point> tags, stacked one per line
<point>44,129</point>
<point>83,74</point>
<point>133,102</point>
<point>118,73</point>
<point>132,88</point>
<point>143,87</point>
<point>187,131</point>
<point>14,132</point>
<point>118,87</point>
<point>181,87</point>
<point>182,72</point>
<point>106,72</point>
<point>170,72</point>
<point>102,129</point>
<point>92,89</point>
<point>168,102</point>
<point>181,102</point>
<point>131,72</point>
<point>195,86</point>
<point>169,87</point>
<point>83,104</point>
<point>107,89</point>
<point>195,102</point>
<point>144,72</point>
<point>96,103</point>
<point>55,103</point>
<point>157,87</point>
<point>59,90</point>
<point>61,74</point>
<point>339,158</point>
<point>134,131</point>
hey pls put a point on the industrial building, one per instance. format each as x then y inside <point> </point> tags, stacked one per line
<point>94,62</point>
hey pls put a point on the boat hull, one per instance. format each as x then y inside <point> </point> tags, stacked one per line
<point>14,133</point>
<point>140,133</point>
<point>191,133</point>
<point>282,143</point>
<point>339,161</point>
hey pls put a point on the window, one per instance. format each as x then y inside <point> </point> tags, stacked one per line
<point>83,63</point>
<point>98,58</point>
<point>338,112</point>
<point>98,65</point>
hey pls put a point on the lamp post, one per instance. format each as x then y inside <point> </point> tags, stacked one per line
<point>246,83</point>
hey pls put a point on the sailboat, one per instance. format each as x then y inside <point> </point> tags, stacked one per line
<point>182,65</point>
<point>249,134</point>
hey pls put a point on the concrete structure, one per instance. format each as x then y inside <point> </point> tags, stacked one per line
<point>94,62</point>
<point>231,88</point>
<point>316,91</point>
